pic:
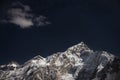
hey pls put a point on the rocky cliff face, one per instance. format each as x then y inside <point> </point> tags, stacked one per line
<point>76,63</point>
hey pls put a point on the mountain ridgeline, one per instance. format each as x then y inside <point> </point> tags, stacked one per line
<point>76,63</point>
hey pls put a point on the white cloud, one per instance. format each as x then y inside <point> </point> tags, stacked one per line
<point>21,15</point>
<point>22,22</point>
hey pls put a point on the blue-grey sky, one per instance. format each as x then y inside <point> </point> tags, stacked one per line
<point>43,27</point>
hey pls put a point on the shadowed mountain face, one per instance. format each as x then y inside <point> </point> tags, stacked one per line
<point>76,63</point>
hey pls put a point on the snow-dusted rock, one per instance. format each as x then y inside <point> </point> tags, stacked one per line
<point>77,63</point>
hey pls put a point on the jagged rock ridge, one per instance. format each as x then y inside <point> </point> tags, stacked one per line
<point>77,63</point>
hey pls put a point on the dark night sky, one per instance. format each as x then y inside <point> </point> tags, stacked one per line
<point>95,22</point>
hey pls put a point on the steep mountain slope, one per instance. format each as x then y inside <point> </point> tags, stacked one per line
<point>77,63</point>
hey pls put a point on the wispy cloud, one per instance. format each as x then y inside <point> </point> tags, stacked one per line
<point>22,16</point>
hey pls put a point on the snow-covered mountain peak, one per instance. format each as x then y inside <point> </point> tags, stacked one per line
<point>36,61</point>
<point>38,57</point>
<point>13,64</point>
<point>76,63</point>
<point>78,47</point>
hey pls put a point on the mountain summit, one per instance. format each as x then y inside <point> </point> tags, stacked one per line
<point>76,63</point>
